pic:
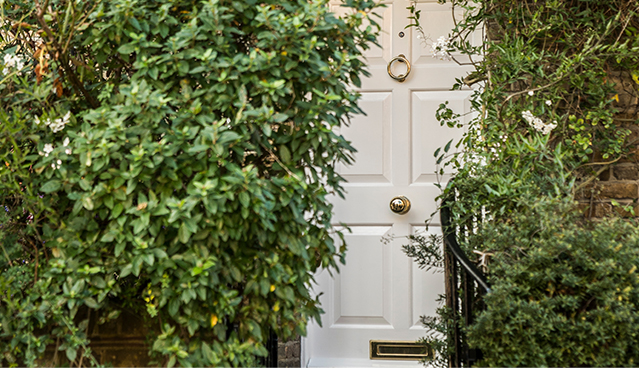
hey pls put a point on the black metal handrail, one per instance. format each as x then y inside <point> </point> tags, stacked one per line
<point>462,296</point>
<point>452,243</point>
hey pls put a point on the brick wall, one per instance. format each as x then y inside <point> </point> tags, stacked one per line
<point>123,343</point>
<point>615,187</point>
<point>289,353</point>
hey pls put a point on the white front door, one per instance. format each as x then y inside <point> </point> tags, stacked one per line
<point>380,294</point>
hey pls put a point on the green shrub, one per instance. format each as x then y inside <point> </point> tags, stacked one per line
<point>564,291</point>
<point>548,108</point>
<point>171,158</point>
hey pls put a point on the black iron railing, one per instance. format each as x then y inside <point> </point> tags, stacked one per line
<point>464,286</point>
<point>271,360</point>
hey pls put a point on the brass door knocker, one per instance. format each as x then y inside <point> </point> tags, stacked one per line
<point>400,58</point>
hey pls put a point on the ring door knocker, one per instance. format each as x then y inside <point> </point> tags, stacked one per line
<point>401,58</point>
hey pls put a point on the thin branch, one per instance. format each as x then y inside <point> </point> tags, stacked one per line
<point>63,58</point>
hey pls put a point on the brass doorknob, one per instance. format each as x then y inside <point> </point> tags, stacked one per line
<point>400,205</point>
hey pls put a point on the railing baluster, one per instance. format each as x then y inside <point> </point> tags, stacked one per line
<point>460,287</point>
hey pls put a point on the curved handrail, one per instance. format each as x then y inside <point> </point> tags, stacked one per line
<point>452,243</point>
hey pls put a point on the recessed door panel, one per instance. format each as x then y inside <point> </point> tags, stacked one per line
<point>425,285</point>
<point>426,133</point>
<point>371,135</point>
<point>362,288</point>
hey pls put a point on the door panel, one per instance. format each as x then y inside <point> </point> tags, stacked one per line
<point>380,294</point>
<point>362,289</point>
<point>371,134</point>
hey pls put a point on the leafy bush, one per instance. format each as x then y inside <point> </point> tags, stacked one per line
<point>547,109</point>
<point>564,291</point>
<point>172,157</point>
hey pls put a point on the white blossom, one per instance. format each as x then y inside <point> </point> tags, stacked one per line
<point>530,93</point>
<point>548,102</point>
<point>12,61</point>
<point>65,142</point>
<point>439,49</point>
<point>58,124</point>
<point>537,123</point>
<point>48,148</point>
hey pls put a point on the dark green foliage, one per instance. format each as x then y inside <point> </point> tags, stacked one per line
<point>564,291</point>
<point>192,188</point>
<point>565,288</point>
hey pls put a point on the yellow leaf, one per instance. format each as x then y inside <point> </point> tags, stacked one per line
<point>616,98</point>
<point>272,288</point>
<point>214,320</point>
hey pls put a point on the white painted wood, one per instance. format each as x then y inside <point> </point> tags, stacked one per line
<point>380,293</point>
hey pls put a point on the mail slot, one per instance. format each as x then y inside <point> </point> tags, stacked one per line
<point>399,350</point>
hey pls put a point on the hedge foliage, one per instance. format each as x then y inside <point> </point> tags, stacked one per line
<point>172,158</point>
<point>547,108</point>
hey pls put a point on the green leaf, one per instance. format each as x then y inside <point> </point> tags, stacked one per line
<point>126,270</point>
<point>71,353</point>
<point>244,199</point>
<point>447,146</point>
<point>50,186</point>
<point>127,48</point>
<point>279,117</point>
<point>198,148</point>
<point>174,305</point>
<point>183,234</point>
<point>91,303</point>
<point>87,203</point>
<point>117,210</point>
<point>228,136</point>
<point>119,248</point>
<point>207,353</point>
<point>108,237</point>
<point>285,154</point>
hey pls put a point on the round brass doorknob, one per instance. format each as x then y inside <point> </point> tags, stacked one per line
<point>400,205</point>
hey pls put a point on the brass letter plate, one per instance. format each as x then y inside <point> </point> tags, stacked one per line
<point>399,350</point>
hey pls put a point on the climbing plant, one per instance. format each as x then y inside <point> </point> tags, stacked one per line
<point>554,104</point>
<point>170,158</point>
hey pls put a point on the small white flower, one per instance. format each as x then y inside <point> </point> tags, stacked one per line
<point>65,142</point>
<point>12,61</point>
<point>530,93</point>
<point>439,49</point>
<point>58,124</point>
<point>537,123</point>
<point>48,148</point>
<point>548,102</point>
